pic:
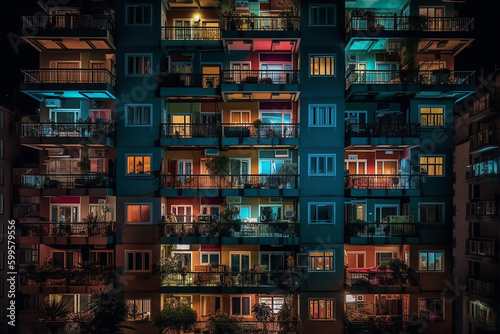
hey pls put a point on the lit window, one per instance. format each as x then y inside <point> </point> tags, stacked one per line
<point>138,309</point>
<point>384,257</point>
<point>138,260</point>
<point>322,115</point>
<point>321,213</point>
<point>240,306</point>
<point>138,213</point>
<point>322,15</point>
<point>321,309</point>
<point>321,164</point>
<point>431,116</point>
<point>431,261</point>
<point>321,261</point>
<point>138,164</point>
<point>138,115</point>
<point>431,308</point>
<point>138,64</point>
<point>274,303</point>
<point>431,213</point>
<point>322,65</point>
<point>138,14</point>
<point>433,165</point>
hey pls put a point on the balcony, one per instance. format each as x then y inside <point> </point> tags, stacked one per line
<point>230,185</point>
<point>63,281</point>
<point>49,134</point>
<point>69,32</point>
<point>482,141</point>
<point>483,315</point>
<point>374,280</point>
<point>361,233</point>
<point>191,230</point>
<point>385,323</point>
<point>260,23</point>
<point>69,83</point>
<point>191,37</point>
<point>244,326</point>
<point>388,83</point>
<point>392,185</point>
<point>482,210</point>
<point>480,288</point>
<point>80,233</point>
<point>481,247</point>
<point>95,184</point>
<point>187,86</point>
<point>382,134</point>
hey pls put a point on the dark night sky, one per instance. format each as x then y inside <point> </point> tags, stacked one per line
<point>481,54</point>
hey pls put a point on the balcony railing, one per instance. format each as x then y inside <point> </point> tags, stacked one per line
<point>222,278</point>
<point>80,229</point>
<point>261,76</point>
<point>382,182</point>
<point>69,76</point>
<point>261,23</point>
<point>482,139</point>
<point>383,130</point>
<point>382,230</point>
<point>385,323</point>
<point>186,226</point>
<point>243,326</point>
<point>65,278</point>
<point>81,130</point>
<point>265,130</point>
<point>60,22</point>
<point>481,288</point>
<point>481,246</point>
<point>255,181</point>
<point>190,33</point>
<point>67,181</point>
<point>386,77</point>
<point>411,23</point>
<point>361,277</point>
<point>189,80</point>
<point>482,209</point>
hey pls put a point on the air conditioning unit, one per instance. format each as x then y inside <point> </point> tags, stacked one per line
<point>233,199</point>
<point>52,103</point>
<point>211,151</point>
<point>281,154</point>
<point>289,214</point>
<point>275,200</point>
<point>352,58</point>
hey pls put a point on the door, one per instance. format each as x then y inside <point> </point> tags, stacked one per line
<point>184,169</point>
<point>355,211</point>
<point>356,260</point>
<point>382,211</point>
<point>182,30</point>
<point>98,74</point>
<point>240,72</point>
<point>277,73</point>
<point>184,213</point>
<point>355,167</point>
<point>209,306</point>
<point>240,170</point>
<point>64,213</point>
<point>211,75</point>
<point>387,167</point>
<point>386,72</point>
<point>240,262</point>
<point>65,72</point>
<point>434,18</point>
<point>181,125</point>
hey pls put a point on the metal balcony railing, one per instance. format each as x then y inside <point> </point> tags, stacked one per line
<point>189,80</point>
<point>387,77</point>
<point>382,181</point>
<point>357,229</point>
<point>80,229</point>
<point>386,323</point>
<point>223,278</point>
<point>81,130</point>
<point>410,23</point>
<point>190,33</point>
<point>480,246</point>
<point>481,288</point>
<point>265,130</point>
<point>67,181</point>
<point>67,21</point>
<point>482,139</point>
<point>69,76</point>
<point>261,23</point>
<point>186,226</point>
<point>261,76</point>
<point>383,130</point>
<point>482,209</point>
<point>64,278</point>
<point>256,181</point>
<point>243,326</point>
<point>360,277</point>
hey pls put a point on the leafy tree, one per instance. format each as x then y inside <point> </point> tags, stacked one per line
<point>107,312</point>
<point>224,324</point>
<point>176,315</point>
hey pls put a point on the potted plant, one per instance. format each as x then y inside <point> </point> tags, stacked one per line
<point>53,314</point>
<point>387,230</point>
<point>359,226</point>
<point>289,170</point>
<point>264,314</point>
<point>175,316</point>
<point>84,165</point>
<point>224,324</point>
<point>256,124</point>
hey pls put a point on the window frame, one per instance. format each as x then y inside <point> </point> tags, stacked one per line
<point>432,156</point>
<point>135,55</point>
<point>128,317</point>
<point>249,315</point>
<point>433,319</point>
<point>138,5</point>
<point>317,156</point>
<point>324,256</point>
<point>333,115</point>
<point>135,156</point>
<point>325,300</point>
<point>143,252</point>
<point>310,204</point>
<point>431,106</point>
<point>441,204</point>
<point>434,270</point>
<point>323,6</point>
<point>323,55</point>
<point>208,253</point>
<point>150,204</point>
<point>134,106</point>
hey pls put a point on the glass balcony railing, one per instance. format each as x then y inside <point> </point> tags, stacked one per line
<point>363,181</point>
<point>255,181</point>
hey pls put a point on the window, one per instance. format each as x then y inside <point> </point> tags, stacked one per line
<point>321,164</point>
<point>138,260</point>
<point>139,309</point>
<point>1,175</point>
<point>138,64</point>
<point>384,257</point>
<point>272,261</point>
<point>431,213</point>
<point>210,258</point>
<point>322,65</point>
<point>2,120</point>
<point>321,213</point>
<point>240,262</point>
<point>431,116</point>
<point>433,165</point>
<point>240,306</point>
<point>138,14</point>
<point>322,309</point>
<point>322,115</point>
<point>138,164</point>
<point>431,308</point>
<point>1,149</point>
<point>274,303</point>
<point>322,15</point>
<point>431,261</point>
<point>138,115</point>
<point>102,258</point>
<point>138,213</point>
<point>321,261</point>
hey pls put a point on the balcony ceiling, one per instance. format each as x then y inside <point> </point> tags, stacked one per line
<point>175,4</point>
<point>40,95</point>
<point>260,96</point>
<point>380,45</point>
<point>72,43</point>
<point>376,4</point>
